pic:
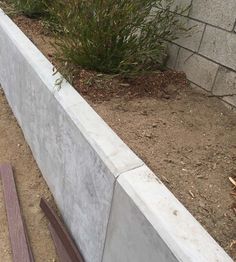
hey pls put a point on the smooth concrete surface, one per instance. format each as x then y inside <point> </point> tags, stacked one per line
<point>148,223</point>
<point>83,160</point>
<point>78,154</point>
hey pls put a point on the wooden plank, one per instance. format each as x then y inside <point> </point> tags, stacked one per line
<point>60,249</point>
<point>19,243</point>
<point>61,232</point>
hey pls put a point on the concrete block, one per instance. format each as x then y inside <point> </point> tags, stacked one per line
<point>173,51</point>
<point>220,46</point>
<point>179,4</point>
<point>230,100</point>
<point>192,39</point>
<point>198,89</point>
<point>77,153</point>
<point>148,223</point>
<point>225,84</point>
<point>198,69</point>
<point>215,12</point>
<point>229,106</point>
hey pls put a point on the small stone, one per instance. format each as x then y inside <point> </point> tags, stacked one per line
<point>201,204</point>
<point>198,164</point>
<point>144,113</point>
<point>148,135</point>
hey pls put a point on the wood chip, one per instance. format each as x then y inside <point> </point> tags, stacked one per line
<point>232,181</point>
<point>233,243</point>
<point>191,194</point>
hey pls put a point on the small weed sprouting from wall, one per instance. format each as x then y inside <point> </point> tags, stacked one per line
<point>31,8</point>
<point>115,36</point>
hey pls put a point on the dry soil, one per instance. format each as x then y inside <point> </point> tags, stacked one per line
<point>30,186</point>
<point>185,136</point>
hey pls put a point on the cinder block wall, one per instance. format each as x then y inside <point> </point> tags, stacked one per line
<point>208,56</point>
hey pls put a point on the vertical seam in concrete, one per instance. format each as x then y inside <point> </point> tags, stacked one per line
<point>234,27</point>
<point>213,84</point>
<point>176,59</point>
<point>203,33</point>
<point>109,216</point>
<point>190,7</point>
<point>112,199</point>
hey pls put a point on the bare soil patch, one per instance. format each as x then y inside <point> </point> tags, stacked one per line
<point>186,137</point>
<point>30,186</point>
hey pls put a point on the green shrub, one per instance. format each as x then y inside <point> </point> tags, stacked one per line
<point>32,8</point>
<point>115,36</point>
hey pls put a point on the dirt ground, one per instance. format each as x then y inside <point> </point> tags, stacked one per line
<point>186,137</point>
<point>30,186</point>
<point>190,144</point>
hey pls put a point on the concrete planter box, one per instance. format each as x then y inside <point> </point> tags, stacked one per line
<point>114,206</point>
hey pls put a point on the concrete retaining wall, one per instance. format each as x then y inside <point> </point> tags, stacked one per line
<point>114,206</point>
<point>208,57</point>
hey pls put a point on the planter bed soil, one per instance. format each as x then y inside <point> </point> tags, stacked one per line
<point>186,137</point>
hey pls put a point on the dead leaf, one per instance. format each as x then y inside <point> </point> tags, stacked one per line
<point>232,243</point>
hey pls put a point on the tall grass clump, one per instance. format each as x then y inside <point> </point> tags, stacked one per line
<point>32,8</point>
<point>115,36</point>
